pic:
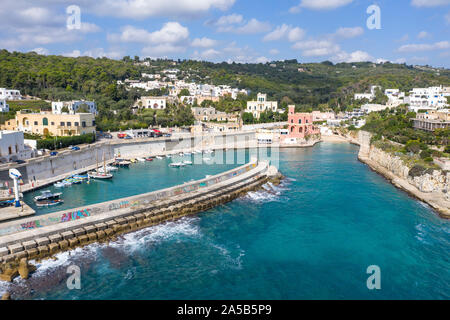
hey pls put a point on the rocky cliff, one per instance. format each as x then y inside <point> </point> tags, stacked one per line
<point>431,187</point>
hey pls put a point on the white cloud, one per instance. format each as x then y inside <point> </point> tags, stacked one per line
<point>348,33</point>
<point>312,48</point>
<point>425,47</point>
<point>262,60</point>
<point>356,56</point>
<point>319,5</point>
<point>274,52</point>
<point>163,49</point>
<point>94,53</point>
<point>284,31</point>
<point>203,42</point>
<point>430,3</point>
<point>171,32</point>
<point>423,35</point>
<point>41,51</point>
<point>235,23</point>
<point>141,9</point>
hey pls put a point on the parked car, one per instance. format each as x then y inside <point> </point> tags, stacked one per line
<point>75,148</point>
<point>168,135</point>
<point>53,153</point>
<point>107,136</point>
<point>19,161</point>
<point>121,135</point>
<point>128,137</point>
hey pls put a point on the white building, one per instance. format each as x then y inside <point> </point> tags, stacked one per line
<point>261,105</point>
<point>395,97</point>
<point>9,94</point>
<point>4,107</point>
<point>431,98</point>
<point>369,96</point>
<point>155,103</point>
<point>12,146</point>
<point>73,106</point>
<point>368,108</point>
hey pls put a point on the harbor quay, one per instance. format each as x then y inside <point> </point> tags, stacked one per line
<point>43,236</point>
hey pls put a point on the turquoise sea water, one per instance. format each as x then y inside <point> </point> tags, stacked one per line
<point>313,237</point>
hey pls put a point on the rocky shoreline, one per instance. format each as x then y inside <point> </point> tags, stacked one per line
<point>427,188</point>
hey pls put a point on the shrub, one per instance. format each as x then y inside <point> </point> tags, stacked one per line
<point>447,149</point>
<point>428,159</point>
<point>425,154</point>
<point>417,171</point>
<point>413,146</point>
<point>63,142</point>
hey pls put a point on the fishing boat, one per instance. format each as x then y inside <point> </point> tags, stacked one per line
<point>47,195</point>
<point>49,203</point>
<point>100,175</point>
<point>133,160</point>
<point>189,163</point>
<point>181,154</point>
<point>177,165</point>
<point>121,163</point>
<point>169,156</point>
<point>108,169</point>
<point>149,159</point>
<point>159,157</point>
<point>141,159</point>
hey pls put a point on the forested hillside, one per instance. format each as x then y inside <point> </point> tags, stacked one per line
<point>310,86</point>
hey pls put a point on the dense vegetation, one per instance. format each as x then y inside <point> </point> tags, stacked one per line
<point>53,143</point>
<point>396,125</point>
<point>311,86</point>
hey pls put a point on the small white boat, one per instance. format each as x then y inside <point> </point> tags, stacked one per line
<point>181,154</point>
<point>208,152</point>
<point>189,163</point>
<point>98,175</point>
<point>187,153</point>
<point>47,195</point>
<point>141,159</point>
<point>177,165</point>
<point>159,157</point>
<point>60,184</point>
<point>206,159</point>
<point>108,169</point>
<point>169,156</point>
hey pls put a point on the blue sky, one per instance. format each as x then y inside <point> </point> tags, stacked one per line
<point>412,31</point>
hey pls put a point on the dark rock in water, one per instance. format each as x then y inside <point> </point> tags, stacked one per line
<point>116,257</point>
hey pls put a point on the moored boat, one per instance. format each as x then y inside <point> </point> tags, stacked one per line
<point>47,195</point>
<point>49,203</point>
<point>177,165</point>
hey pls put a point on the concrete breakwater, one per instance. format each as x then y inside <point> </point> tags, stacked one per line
<point>107,220</point>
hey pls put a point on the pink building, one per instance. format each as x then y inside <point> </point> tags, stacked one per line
<point>300,125</point>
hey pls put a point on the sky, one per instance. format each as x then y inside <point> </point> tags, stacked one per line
<point>254,31</point>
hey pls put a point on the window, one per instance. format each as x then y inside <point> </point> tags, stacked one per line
<point>76,124</point>
<point>62,124</point>
<point>45,122</point>
<point>35,123</point>
<point>300,121</point>
<point>17,148</point>
<point>69,124</point>
<point>93,123</point>
<point>52,123</point>
<point>9,150</point>
<point>83,124</point>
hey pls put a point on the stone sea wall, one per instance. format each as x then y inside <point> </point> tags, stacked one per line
<point>432,187</point>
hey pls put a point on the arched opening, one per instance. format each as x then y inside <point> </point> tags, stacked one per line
<point>45,122</point>
<point>25,121</point>
<point>46,132</point>
<point>300,121</point>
